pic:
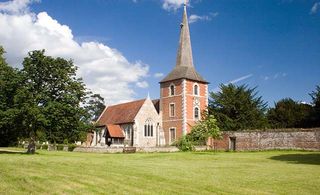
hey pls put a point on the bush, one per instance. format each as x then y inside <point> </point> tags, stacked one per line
<point>71,147</point>
<point>60,147</point>
<point>38,146</point>
<point>44,147</point>
<point>185,144</point>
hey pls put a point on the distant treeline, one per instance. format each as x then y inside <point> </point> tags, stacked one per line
<point>239,108</point>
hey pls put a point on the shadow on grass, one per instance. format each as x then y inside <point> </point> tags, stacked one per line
<point>312,159</point>
<point>14,152</point>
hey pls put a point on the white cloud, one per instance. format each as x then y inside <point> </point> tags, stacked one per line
<point>315,8</point>
<point>239,79</point>
<point>172,4</point>
<point>234,81</point>
<point>142,84</point>
<point>16,6</point>
<point>104,69</point>
<point>195,18</point>
<point>158,75</point>
<point>275,76</point>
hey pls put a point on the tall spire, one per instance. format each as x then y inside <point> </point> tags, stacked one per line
<point>184,56</point>
<point>184,66</point>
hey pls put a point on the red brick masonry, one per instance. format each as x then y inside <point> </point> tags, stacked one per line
<point>306,139</point>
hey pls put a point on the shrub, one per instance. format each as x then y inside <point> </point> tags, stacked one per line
<point>71,147</point>
<point>44,147</point>
<point>60,147</point>
<point>185,144</point>
<point>38,146</point>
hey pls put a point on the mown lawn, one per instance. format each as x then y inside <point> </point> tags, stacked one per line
<point>272,172</point>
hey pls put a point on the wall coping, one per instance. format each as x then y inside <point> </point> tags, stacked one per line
<point>275,130</point>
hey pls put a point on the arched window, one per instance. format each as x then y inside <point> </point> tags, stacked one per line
<point>196,113</point>
<point>148,128</point>
<point>196,89</point>
<point>171,91</point>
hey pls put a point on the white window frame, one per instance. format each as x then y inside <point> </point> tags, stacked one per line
<point>174,110</point>
<point>174,89</point>
<point>194,112</point>
<point>175,134</point>
<point>196,84</point>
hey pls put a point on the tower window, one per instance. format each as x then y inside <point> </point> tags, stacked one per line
<point>196,113</point>
<point>171,91</point>
<point>172,134</point>
<point>172,110</point>
<point>148,128</point>
<point>196,89</point>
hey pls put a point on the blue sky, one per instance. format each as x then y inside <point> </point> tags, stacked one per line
<point>273,45</point>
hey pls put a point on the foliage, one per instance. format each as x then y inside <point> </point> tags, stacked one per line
<point>238,108</point>
<point>288,113</point>
<point>185,144</point>
<point>94,106</point>
<point>51,96</point>
<point>315,115</point>
<point>44,147</point>
<point>9,84</point>
<point>200,133</point>
<point>71,147</point>
<point>60,146</point>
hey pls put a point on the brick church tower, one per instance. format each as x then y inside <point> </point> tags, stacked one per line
<point>183,92</point>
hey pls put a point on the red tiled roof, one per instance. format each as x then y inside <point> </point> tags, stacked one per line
<point>121,113</point>
<point>115,131</point>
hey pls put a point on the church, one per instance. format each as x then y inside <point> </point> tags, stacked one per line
<point>152,123</point>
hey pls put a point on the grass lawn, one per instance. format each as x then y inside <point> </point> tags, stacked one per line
<point>272,172</point>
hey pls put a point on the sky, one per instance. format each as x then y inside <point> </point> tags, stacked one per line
<point>123,48</point>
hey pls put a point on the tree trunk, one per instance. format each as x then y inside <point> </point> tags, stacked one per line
<point>32,145</point>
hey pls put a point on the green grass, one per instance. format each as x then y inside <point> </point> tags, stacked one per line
<point>272,172</point>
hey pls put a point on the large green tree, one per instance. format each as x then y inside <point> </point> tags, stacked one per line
<point>238,108</point>
<point>51,97</point>
<point>9,84</point>
<point>288,113</point>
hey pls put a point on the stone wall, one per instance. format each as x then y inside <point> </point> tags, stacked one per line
<point>120,149</point>
<point>301,139</point>
<point>99,149</point>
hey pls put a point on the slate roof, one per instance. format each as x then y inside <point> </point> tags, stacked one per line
<point>184,72</point>
<point>115,131</point>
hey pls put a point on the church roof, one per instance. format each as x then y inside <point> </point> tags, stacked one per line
<point>123,113</point>
<point>184,64</point>
<point>115,131</point>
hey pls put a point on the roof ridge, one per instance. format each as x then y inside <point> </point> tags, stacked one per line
<point>127,102</point>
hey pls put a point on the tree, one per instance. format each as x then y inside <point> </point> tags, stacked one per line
<point>9,84</point>
<point>238,108</point>
<point>315,116</point>
<point>50,98</point>
<point>95,106</point>
<point>200,132</point>
<point>288,113</point>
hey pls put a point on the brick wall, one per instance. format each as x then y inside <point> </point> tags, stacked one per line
<point>185,101</point>
<point>306,139</point>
